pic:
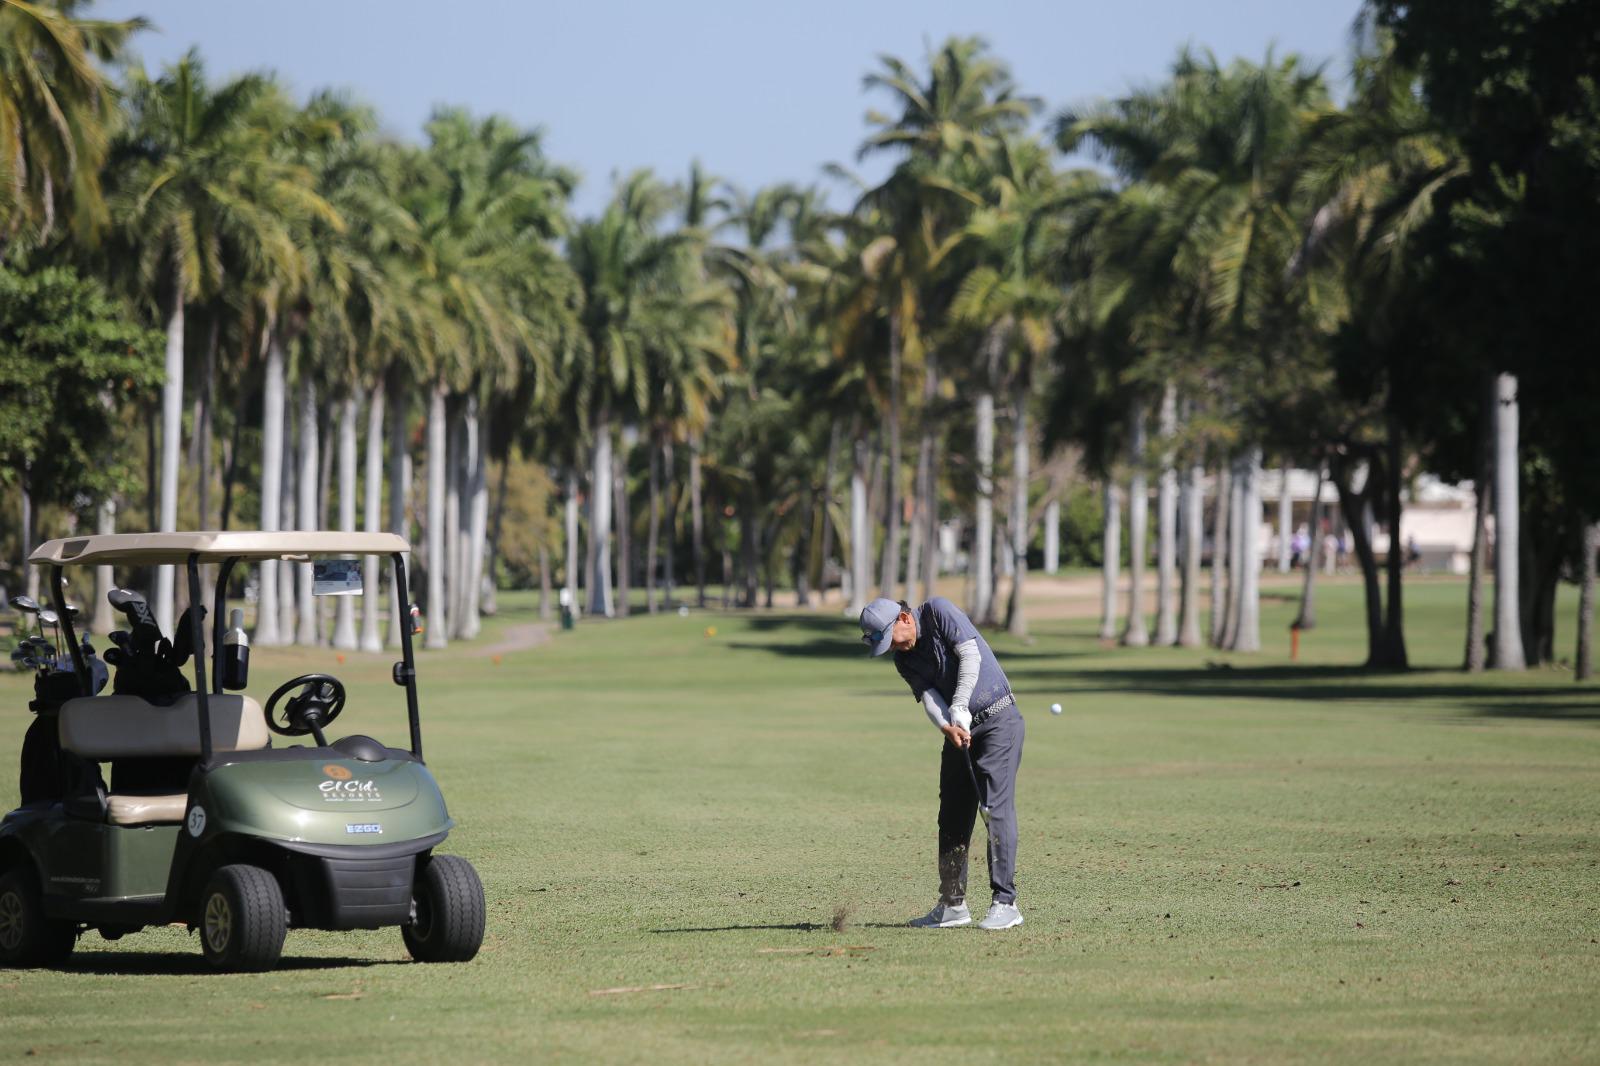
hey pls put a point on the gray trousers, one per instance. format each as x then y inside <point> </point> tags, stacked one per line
<point>996,754</point>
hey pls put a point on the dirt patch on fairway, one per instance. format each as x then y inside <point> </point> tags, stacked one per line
<point>524,636</point>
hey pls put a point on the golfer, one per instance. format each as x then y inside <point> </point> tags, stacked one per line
<point>958,681</point>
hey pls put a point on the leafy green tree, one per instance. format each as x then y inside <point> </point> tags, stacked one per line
<point>73,362</point>
<point>1514,83</point>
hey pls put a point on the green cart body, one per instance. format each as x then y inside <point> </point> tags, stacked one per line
<point>255,839</point>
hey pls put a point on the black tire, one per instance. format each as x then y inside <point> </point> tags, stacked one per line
<point>242,919</point>
<point>27,936</point>
<point>449,911</point>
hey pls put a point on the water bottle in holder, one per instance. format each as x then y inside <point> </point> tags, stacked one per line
<point>235,653</point>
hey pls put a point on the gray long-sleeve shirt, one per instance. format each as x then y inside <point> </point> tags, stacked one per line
<point>951,669</point>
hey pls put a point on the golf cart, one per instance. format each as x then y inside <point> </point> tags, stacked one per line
<point>205,822</point>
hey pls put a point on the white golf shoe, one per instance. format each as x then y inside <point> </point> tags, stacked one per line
<point>943,916</point>
<point>1001,916</point>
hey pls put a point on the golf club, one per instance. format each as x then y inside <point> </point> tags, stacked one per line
<point>49,618</point>
<point>27,605</point>
<point>983,808</point>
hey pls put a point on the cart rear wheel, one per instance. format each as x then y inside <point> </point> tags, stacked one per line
<point>242,919</point>
<point>27,936</point>
<point>448,898</point>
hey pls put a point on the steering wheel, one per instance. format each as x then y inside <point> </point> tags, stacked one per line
<point>318,703</point>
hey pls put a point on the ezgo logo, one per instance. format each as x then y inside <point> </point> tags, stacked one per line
<point>363,827</point>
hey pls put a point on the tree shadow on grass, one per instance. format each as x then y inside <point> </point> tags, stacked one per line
<point>1323,684</point>
<point>800,622</point>
<point>172,964</point>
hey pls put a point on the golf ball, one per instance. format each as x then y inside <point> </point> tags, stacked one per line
<point>1055,708</point>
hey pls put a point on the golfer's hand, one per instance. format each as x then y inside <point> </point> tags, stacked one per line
<point>958,736</point>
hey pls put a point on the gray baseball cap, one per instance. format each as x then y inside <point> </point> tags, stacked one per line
<point>877,624</point>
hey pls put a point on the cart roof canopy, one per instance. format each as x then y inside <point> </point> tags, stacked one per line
<point>146,549</point>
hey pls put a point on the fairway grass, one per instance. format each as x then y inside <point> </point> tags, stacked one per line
<point>1224,858</point>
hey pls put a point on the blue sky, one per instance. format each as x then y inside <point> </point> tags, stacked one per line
<point>758,91</point>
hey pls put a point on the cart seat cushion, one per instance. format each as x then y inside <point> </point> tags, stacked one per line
<point>133,809</point>
<point>128,727</point>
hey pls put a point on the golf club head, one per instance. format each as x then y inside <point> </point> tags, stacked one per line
<point>49,617</point>
<point>72,611</point>
<point>123,598</point>
<point>25,604</point>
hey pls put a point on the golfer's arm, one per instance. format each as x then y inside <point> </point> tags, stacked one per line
<point>938,712</point>
<point>966,681</point>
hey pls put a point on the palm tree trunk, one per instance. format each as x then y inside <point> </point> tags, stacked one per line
<point>1016,616</point>
<point>288,508</point>
<point>454,520</point>
<point>1192,505</point>
<point>325,432</point>
<point>914,543</point>
<point>1247,632</point>
<point>1110,559</point>
<point>171,445</point>
<point>31,585</point>
<point>674,493</point>
<point>624,529</point>
<point>1307,616</point>
<point>1508,652</point>
<point>1285,519</point>
<point>1237,532</point>
<point>1134,633</point>
<point>697,519</point>
<point>860,539</point>
<point>1052,537</point>
<point>1166,524</point>
<point>267,633</point>
<point>490,605</point>
<point>1394,637</point>
<point>929,490</point>
<point>600,518</point>
<point>983,520</point>
<point>399,491</point>
<point>749,547</point>
<point>202,427</point>
<point>570,577</point>
<point>1476,654</point>
<point>652,547</point>
<point>230,464</point>
<point>306,507</point>
<point>104,576</point>
<point>373,566</point>
<point>544,582</point>
<point>825,506</point>
<point>438,473</point>
<point>1585,653</point>
<point>344,624</point>
<point>890,574</point>
<point>477,541</point>
<point>1220,543</point>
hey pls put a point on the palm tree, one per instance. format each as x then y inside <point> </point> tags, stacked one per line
<point>632,277</point>
<point>57,115</point>
<point>202,173</point>
<point>952,117</point>
<point>1010,296</point>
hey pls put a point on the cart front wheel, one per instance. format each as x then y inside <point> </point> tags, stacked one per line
<point>27,936</point>
<point>449,911</point>
<point>242,919</point>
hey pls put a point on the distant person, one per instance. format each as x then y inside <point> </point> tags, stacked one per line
<point>958,681</point>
